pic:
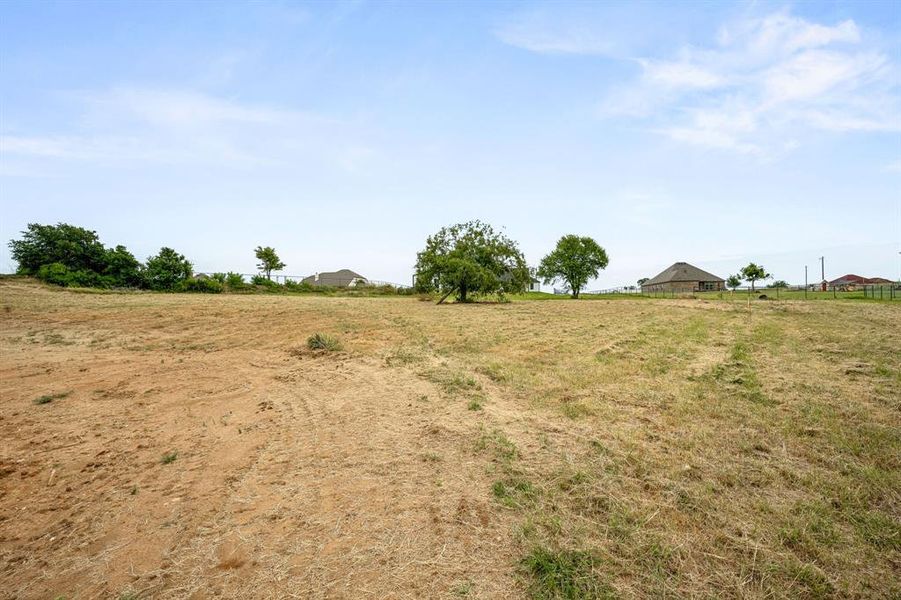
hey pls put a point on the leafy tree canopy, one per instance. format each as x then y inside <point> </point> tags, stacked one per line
<point>471,258</point>
<point>733,281</point>
<point>269,261</point>
<point>780,284</point>
<point>122,267</point>
<point>642,281</point>
<point>753,273</point>
<point>575,260</point>
<point>166,270</point>
<point>75,248</point>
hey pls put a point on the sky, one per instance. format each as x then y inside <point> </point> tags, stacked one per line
<point>343,134</point>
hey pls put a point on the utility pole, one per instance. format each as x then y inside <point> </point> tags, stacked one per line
<point>823,273</point>
<point>805,282</point>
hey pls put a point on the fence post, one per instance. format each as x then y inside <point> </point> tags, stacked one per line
<point>834,296</point>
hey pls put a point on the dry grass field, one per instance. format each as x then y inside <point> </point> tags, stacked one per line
<point>190,446</point>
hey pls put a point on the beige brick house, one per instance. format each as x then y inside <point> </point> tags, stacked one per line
<point>683,278</point>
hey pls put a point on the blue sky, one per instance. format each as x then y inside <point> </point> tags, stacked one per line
<point>344,134</point>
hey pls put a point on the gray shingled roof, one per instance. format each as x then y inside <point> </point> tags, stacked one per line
<point>337,278</point>
<point>682,271</point>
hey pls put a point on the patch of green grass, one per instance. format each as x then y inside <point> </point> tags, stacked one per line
<point>462,589</point>
<point>564,574</point>
<point>514,491</point>
<point>575,409</point>
<point>621,522</point>
<point>431,457</point>
<point>504,450</point>
<point>739,374</point>
<point>474,404</point>
<point>803,580</point>
<point>451,382</point>
<point>810,527</point>
<point>48,398</point>
<point>405,355</point>
<point>169,457</point>
<point>493,371</point>
<point>878,529</point>
<point>323,342</point>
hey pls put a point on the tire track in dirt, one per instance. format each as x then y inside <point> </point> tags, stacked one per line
<point>361,490</point>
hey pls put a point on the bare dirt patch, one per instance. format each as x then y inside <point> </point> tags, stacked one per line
<point>195,446</point>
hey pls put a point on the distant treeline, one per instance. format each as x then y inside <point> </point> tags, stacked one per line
<point>72,256</point>
<point>468,260</point>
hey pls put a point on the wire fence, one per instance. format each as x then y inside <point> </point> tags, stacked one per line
<point>887,291</point>
<point>320,280</point>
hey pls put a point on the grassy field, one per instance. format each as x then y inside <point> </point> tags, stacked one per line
<point>174,446</point>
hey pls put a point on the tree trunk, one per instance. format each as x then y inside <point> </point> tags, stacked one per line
<point>752,286</point>
<point>269,274</point>
<point>444,297</point>
<point>462,292</point>
<point>575,293</point>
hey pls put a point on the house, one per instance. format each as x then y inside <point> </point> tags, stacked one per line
<point>534,285</point>
<point>683,277</point>
<point>342,278</point>
<point>851,281</point>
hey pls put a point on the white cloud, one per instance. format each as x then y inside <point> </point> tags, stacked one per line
<point>680,74</point>
<point>176,108</point>
<point>573,40</point>
<point>177,127</point>
<point>810,74</point>
<point>762,84</point>
<point>780,33</point>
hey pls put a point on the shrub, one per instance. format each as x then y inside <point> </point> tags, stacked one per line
<point>321,341</point>
<point>234,281</point>
<point>122,268</point>
<point>73,256</point>
<point>298,286</point>
<point>167,270</point>
<point>200,285</point>
<point>220,277</point>
<point>268,284</point>
<point>60,274</point>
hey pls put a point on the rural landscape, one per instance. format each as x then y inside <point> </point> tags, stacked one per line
<point>194,445</point>
<point>411,300</point>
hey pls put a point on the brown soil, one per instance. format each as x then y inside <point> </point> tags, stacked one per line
<point>191,446</point>
<point>297,474</point>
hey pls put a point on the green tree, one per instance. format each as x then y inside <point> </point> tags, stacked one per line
<point>733,281</point>
<point>122,268</point>
<point>780,284</point>
<point>471,258</point>
<point>166,270</point>
<point>76,248</point>
<point>574,261</point>
<point>642,281</point>
<point>753,273</point>
<point>269,261</point>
